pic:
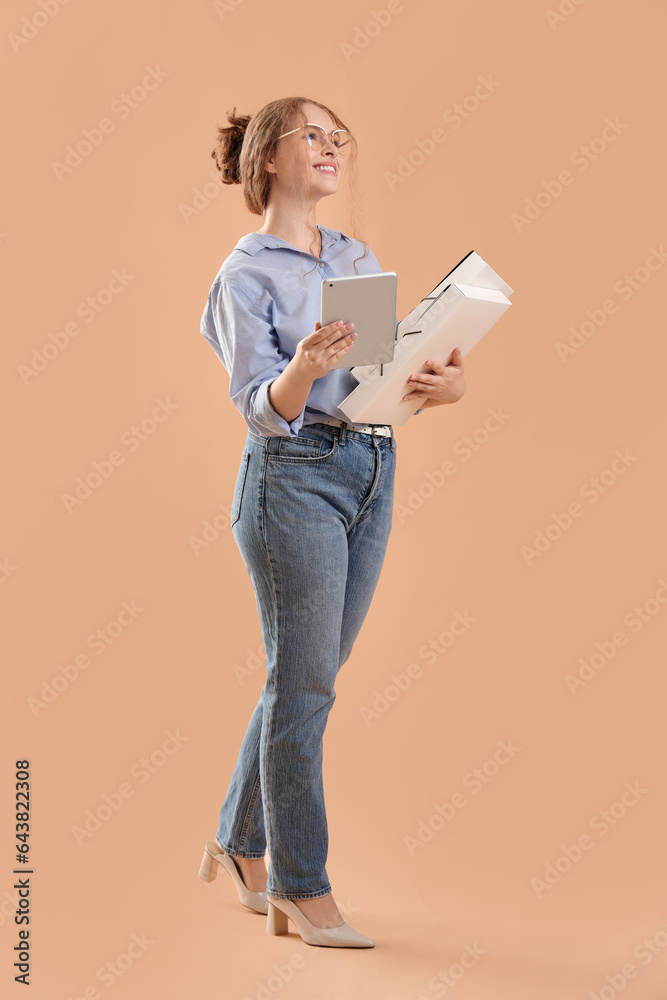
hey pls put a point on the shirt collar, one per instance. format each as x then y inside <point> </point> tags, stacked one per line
<point>252,243</point>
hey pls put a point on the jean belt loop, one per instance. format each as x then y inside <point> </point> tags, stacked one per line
<point>341,436</point>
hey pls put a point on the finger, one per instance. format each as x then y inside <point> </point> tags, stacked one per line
<point>340,329</point>
<point>328,333</point>
<point>341,352</point>
<point>342,336</point>
<point>346,346</point>
<point>439,366</point>
<point>421,378</point>
<point>343,345</point>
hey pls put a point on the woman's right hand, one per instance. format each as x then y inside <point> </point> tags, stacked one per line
<point>316,353</point>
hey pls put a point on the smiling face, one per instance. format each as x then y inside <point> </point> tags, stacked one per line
<point>329,156</point>
<point>294,157</point>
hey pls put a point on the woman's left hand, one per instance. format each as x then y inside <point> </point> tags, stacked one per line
<point>445,384</point>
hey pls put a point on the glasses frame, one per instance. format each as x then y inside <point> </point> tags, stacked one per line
<point>329,135</point>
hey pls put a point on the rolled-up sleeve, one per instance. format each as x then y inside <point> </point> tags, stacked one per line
<point>240,330</point>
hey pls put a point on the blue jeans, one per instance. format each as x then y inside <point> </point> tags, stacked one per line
<point>311,516</point>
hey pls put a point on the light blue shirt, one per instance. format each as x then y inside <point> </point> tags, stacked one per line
<point>265,299</point>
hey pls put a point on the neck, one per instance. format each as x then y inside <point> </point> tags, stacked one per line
<point>293,230</point>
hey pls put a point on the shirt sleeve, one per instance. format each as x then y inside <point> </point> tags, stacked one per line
<point>241,332</point>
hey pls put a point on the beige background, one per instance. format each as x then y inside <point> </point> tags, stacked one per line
<point>187,662</point>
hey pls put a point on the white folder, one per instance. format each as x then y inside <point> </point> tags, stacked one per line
<point>457,313</point>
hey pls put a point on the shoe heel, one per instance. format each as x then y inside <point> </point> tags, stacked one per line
<point>276,921</point>
<point>208,870</point>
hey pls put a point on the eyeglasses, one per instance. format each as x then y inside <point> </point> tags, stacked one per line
<point>317,137</point>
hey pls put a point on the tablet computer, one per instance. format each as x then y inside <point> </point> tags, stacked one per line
<point>368,301</point>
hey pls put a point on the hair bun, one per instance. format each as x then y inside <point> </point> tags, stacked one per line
<point>227,151</point>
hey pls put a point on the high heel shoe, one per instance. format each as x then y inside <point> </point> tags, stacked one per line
<point>214,856</point>
<point>343,936</point>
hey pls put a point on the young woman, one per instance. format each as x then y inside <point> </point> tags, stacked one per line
<point>312,504</point>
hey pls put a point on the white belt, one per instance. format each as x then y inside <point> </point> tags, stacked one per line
<point>383,430</point>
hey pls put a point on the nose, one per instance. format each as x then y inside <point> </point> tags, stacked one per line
<point>329,146</point>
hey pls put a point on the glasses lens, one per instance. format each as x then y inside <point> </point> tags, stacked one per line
<point>343,141</point>
<point>317,138</point>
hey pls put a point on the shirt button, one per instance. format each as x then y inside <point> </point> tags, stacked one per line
<point>321,263</point>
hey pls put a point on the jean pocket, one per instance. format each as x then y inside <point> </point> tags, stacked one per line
<point>304,449</point>
<point>235,512</point>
